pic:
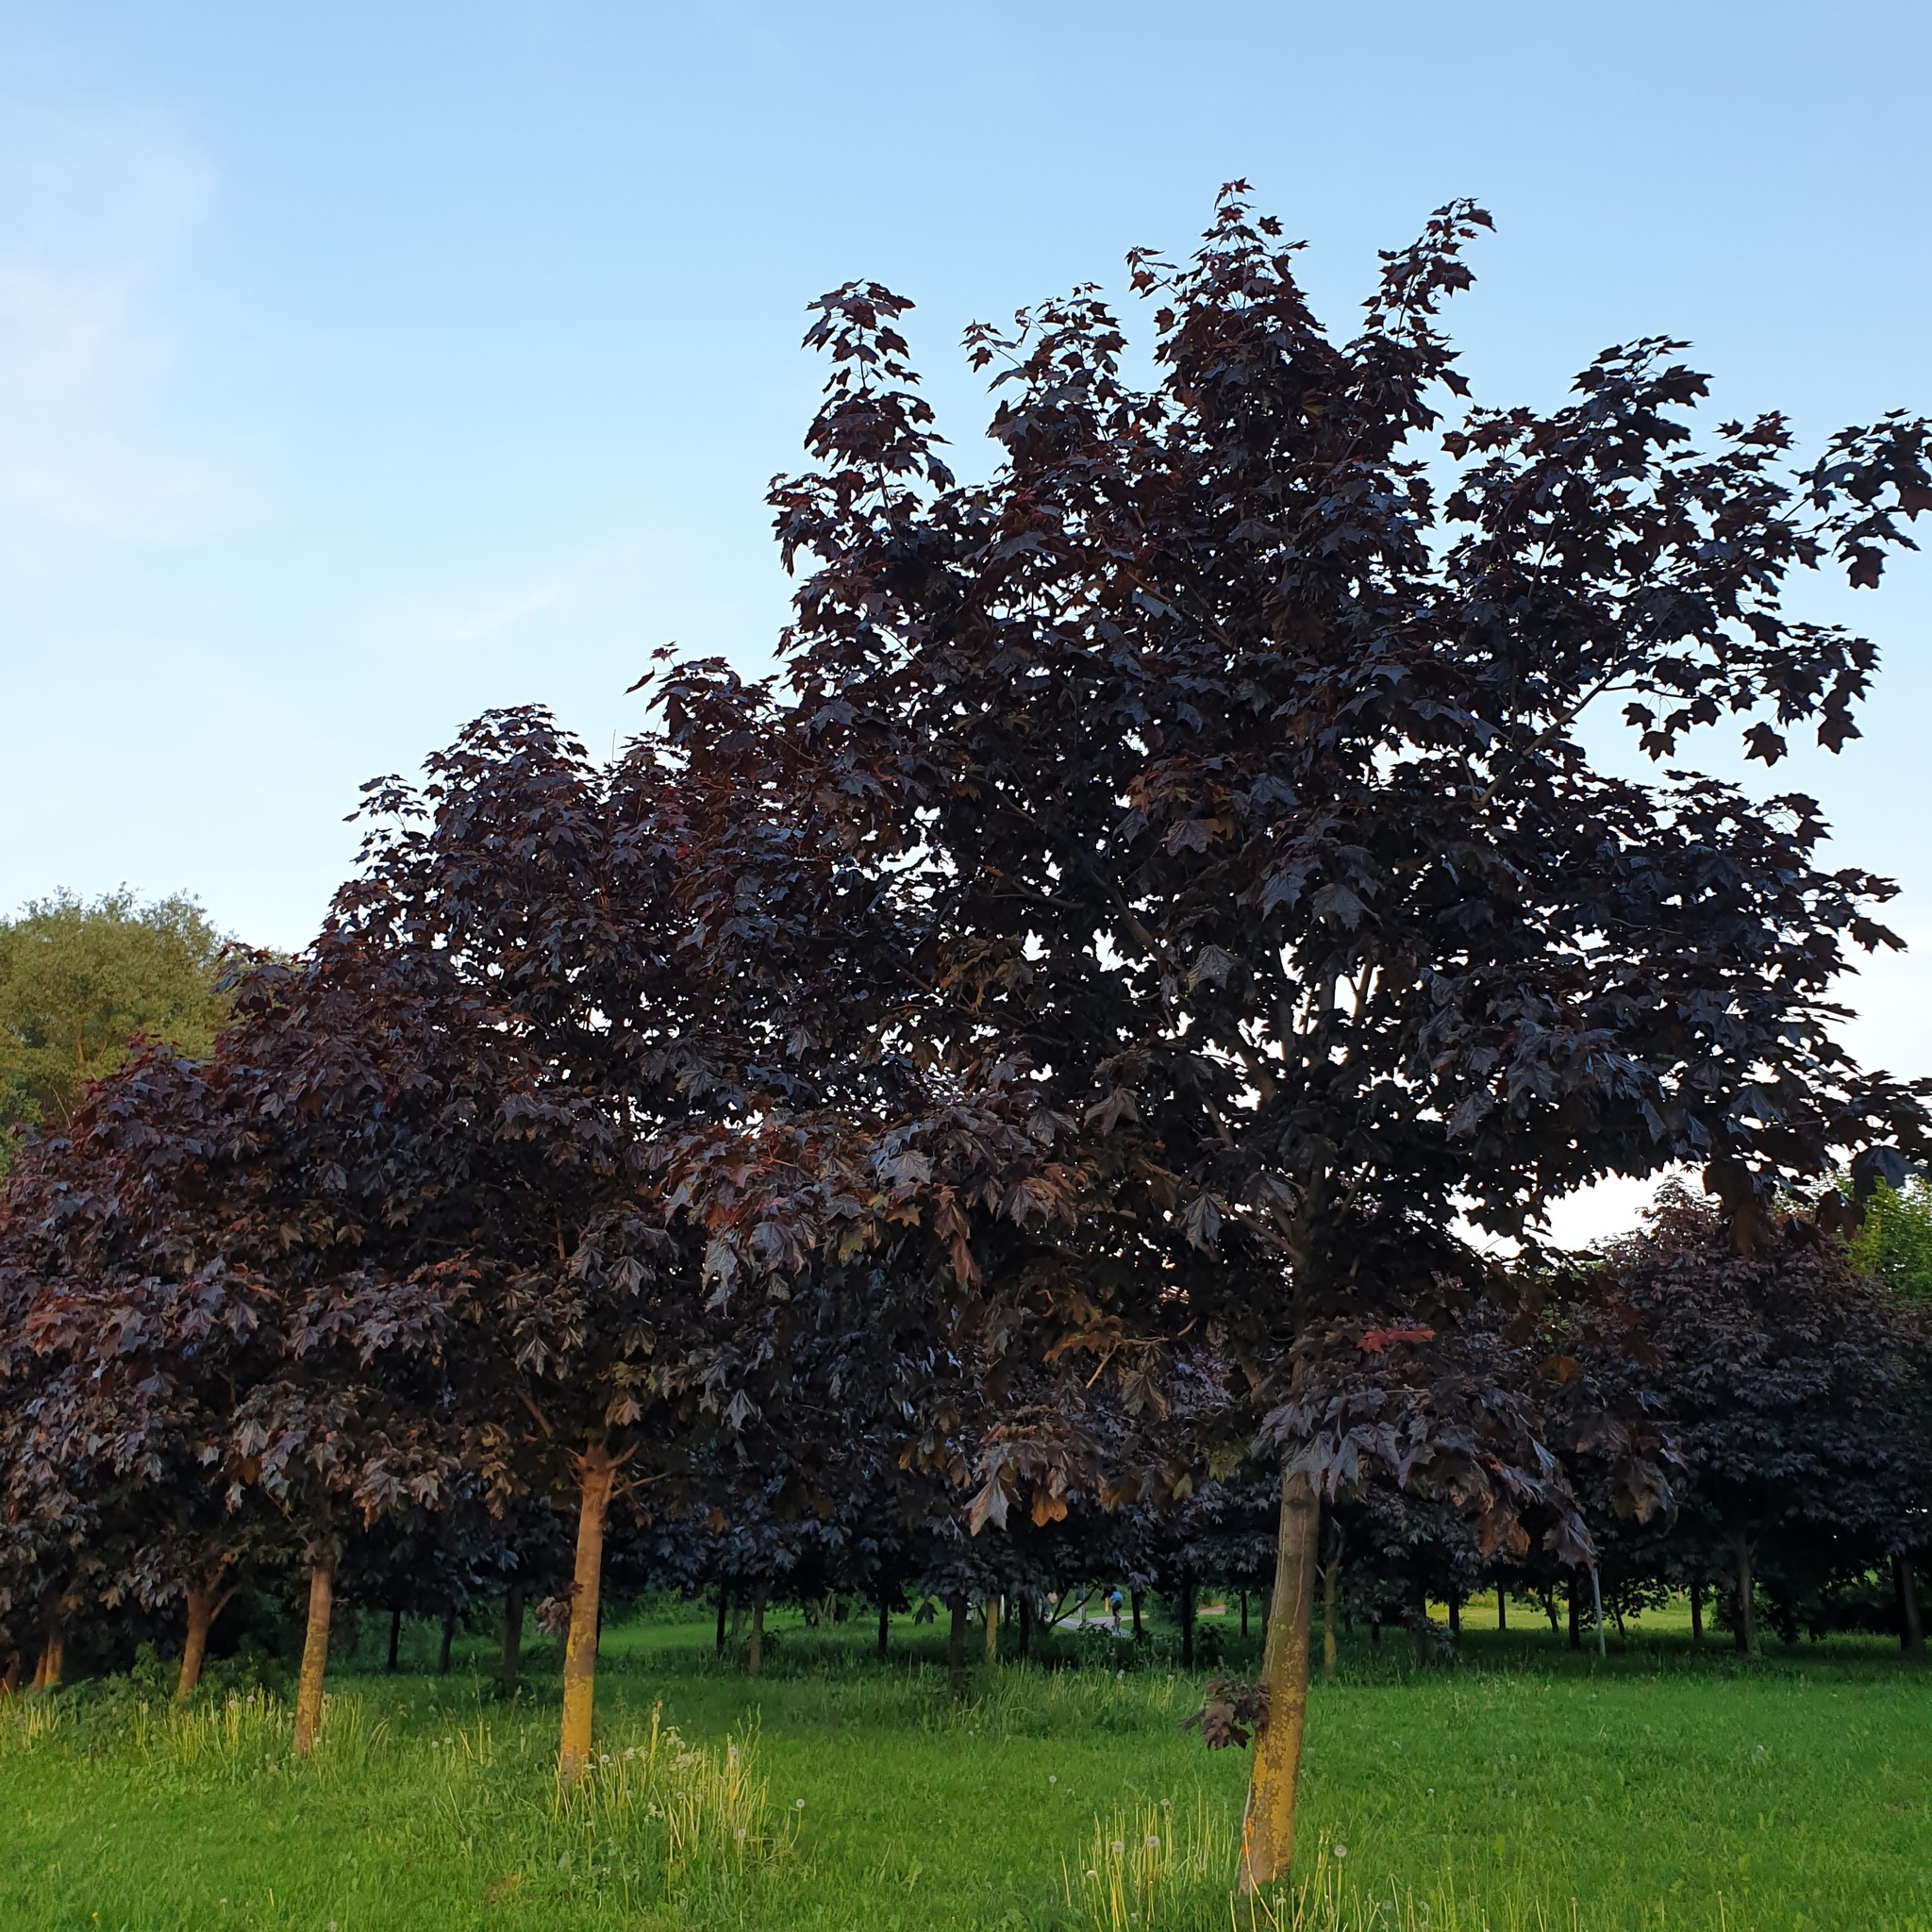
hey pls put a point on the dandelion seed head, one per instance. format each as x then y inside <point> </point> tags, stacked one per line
<point>1116,1847</point>
<point>798,1804</point>
<point>1153,1843</point>
<point>1340,1851</point>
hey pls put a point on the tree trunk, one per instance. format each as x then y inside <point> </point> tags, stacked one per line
<point>395,1641</point>
<point>322,1587</point>
<point>1911,1630</point>
<point>53,1651</point>
<point>1268,1824</point>
<point>449,1634</point>
<point>203,1608</point>
<point>956,1647</point>
<point>9,1679</point>
<point>1697,1613</point>
<point>596,1476</point>
<point>992,1629</point>
<point>1137,1597</point>
<point>1550,1606</point>
<point>1419,1633</point>
<point>1186,1622</point>
<point>1747,1608</point>
<point>723,1611</point>
<point>884,1624</point>
<point>1023,1613</point>
<point>1576,1616</point>
<point>1328,1618</point>
<point>1502,1607</point>
<point>1455,1618</point>
<point>1245,1613</point>
<point>755,1648</point>
<point>509,1656</point>
<point>1376,1628</point>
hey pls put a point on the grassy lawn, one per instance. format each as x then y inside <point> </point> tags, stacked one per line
<point>1527,1787</point>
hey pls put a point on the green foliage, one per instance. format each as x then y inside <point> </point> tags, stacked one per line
<point>79,978</point>
<point>1894,1243</point>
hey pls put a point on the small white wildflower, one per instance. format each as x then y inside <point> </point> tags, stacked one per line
<point>604,1757</point>
<point>798,1804</point>
<point>1340,1851</point>
<point>1153,1843</point>
<point>1051,1778</point>
<point>1116,1847</point>
<point>740,1832</point>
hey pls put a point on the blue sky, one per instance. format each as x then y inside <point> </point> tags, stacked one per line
<point>364,366</point>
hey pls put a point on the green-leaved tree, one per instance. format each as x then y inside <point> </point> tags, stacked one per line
<point>79,979</point>
<point>1894,1242</point>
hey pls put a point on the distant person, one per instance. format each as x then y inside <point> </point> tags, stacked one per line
<point>1113,1603</point>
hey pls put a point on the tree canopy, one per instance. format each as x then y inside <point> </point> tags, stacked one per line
<point>80,978</point>
<point>1084,1026</point>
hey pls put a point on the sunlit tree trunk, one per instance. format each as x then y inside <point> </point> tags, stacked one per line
<point>53,1653</point>
<point>992,1629</point>
<point>322,1583</point>
<point>596,1476</point>
<point>53,1650</point>
<point>1747,1608</point>
<point>510,1658</point>
<point>1268,1826</point>
<point>203,1606</point>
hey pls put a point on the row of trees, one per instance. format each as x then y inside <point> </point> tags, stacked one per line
<point>1092,1024</point>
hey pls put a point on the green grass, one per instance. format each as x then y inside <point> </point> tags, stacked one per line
<point>1529,1788</point>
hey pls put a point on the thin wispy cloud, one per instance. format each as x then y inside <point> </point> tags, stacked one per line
<point>470,627</point>
<point>96,211</point>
